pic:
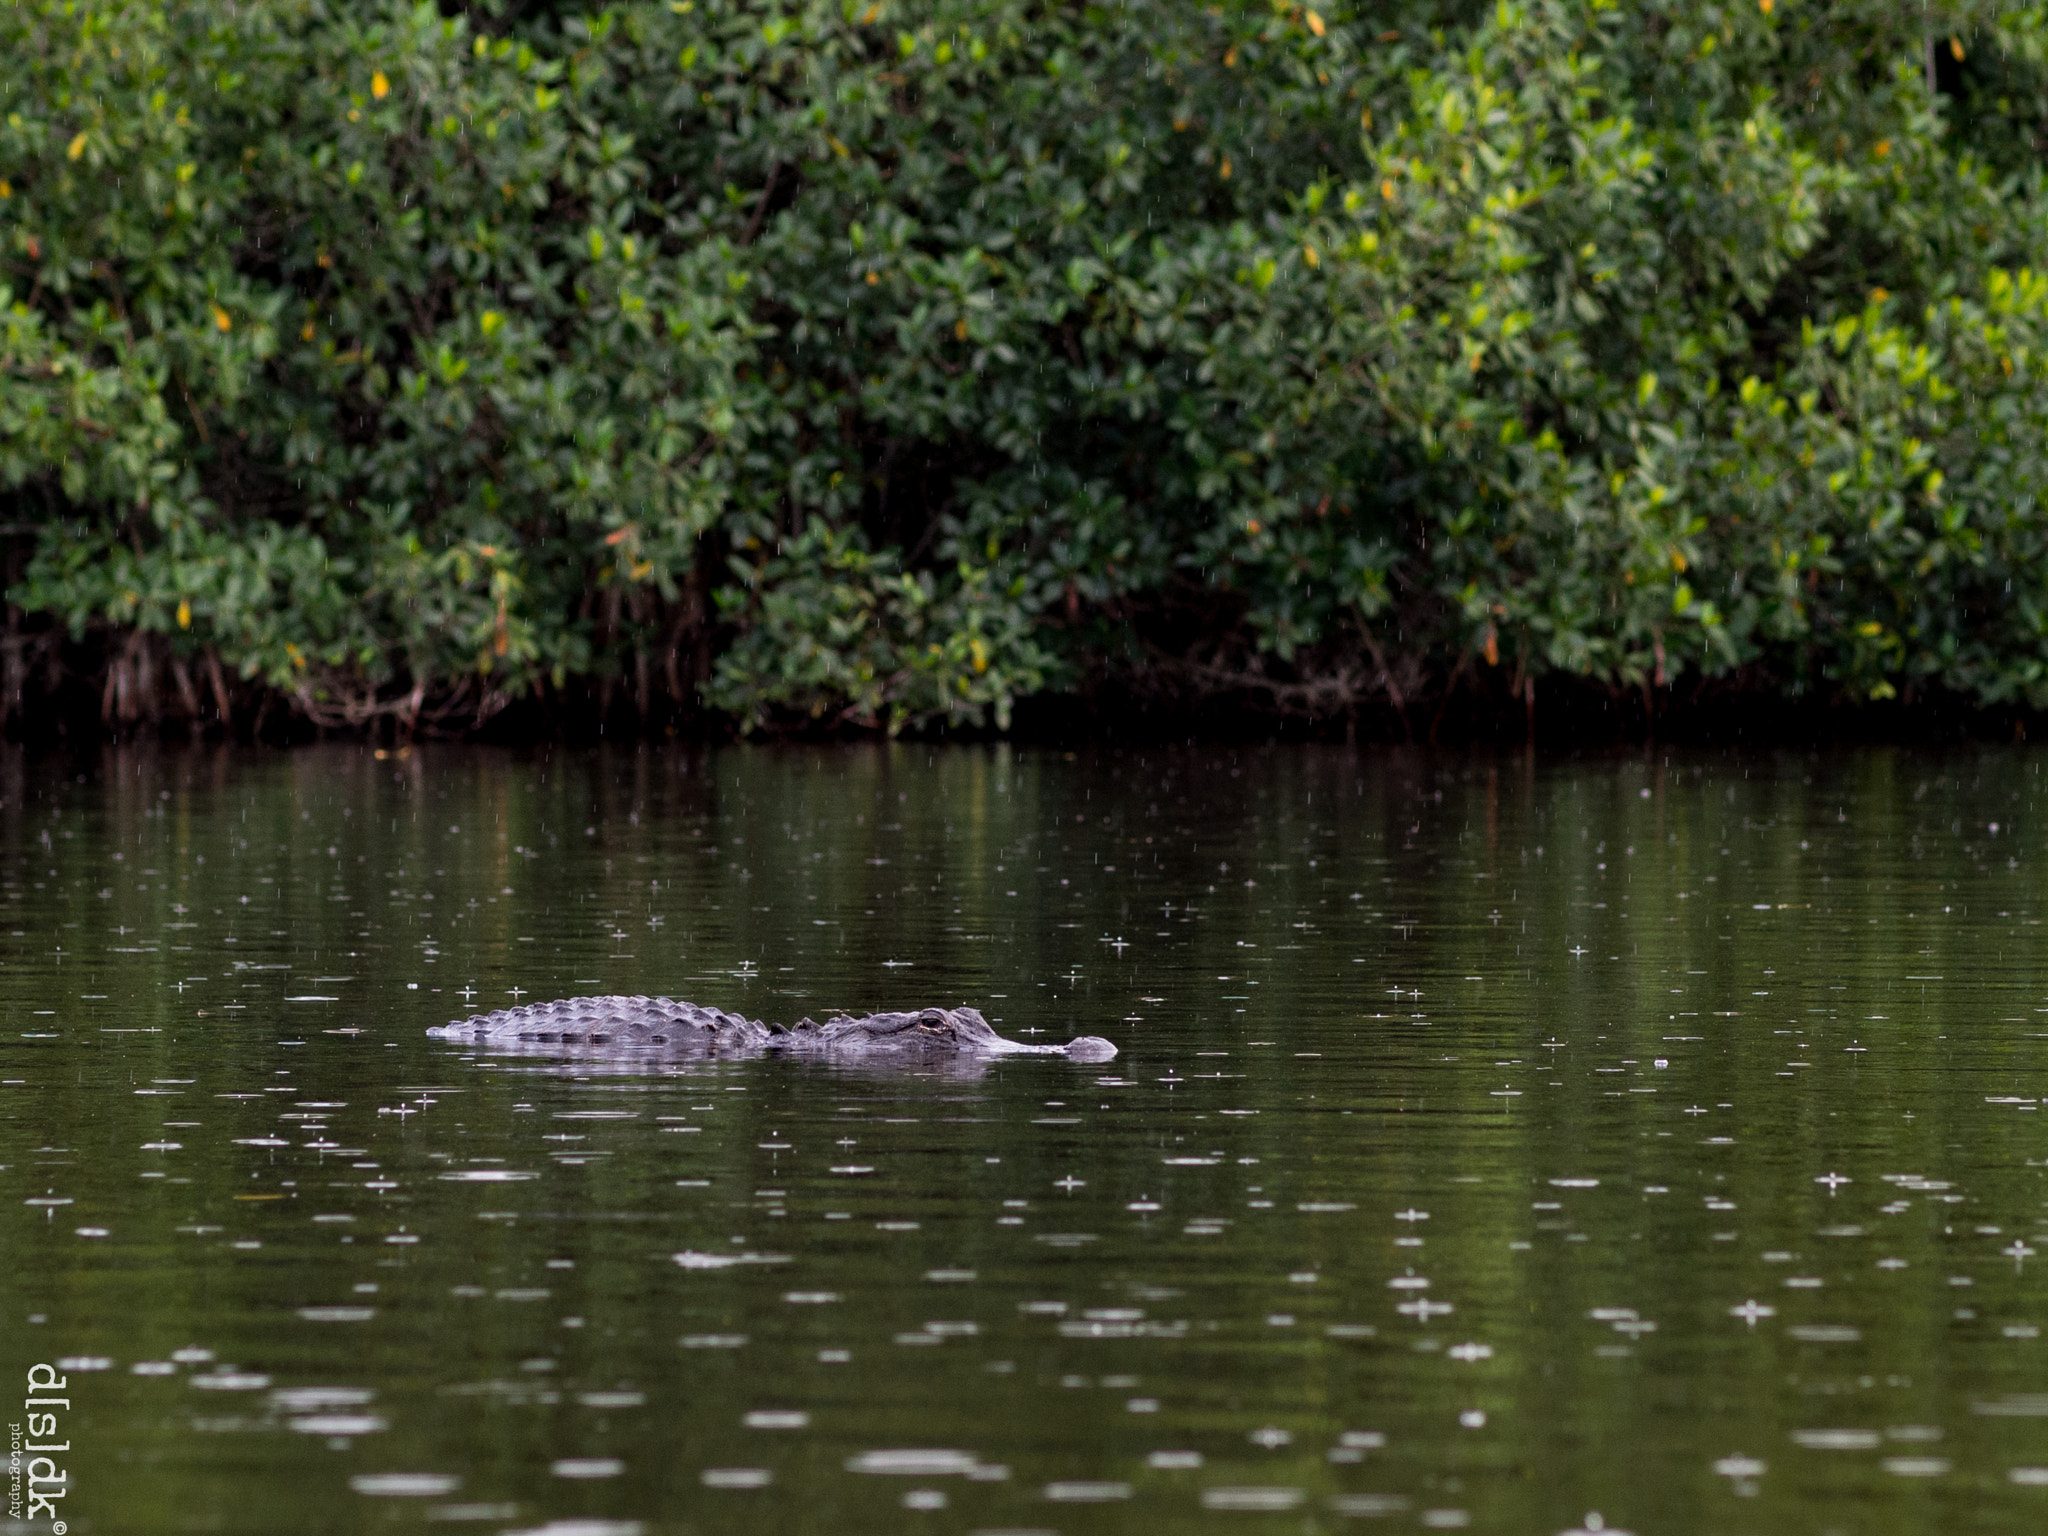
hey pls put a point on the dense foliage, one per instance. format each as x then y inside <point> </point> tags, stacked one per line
<point>863,362</point>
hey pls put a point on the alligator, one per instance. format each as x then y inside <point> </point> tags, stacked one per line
<point>637,1026</point>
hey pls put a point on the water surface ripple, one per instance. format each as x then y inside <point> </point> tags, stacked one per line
<point>1647,1144</point>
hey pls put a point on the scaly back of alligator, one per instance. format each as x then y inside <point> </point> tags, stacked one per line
<point>637,1025</point>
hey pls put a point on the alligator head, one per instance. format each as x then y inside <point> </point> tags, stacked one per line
<point>959,1029</point>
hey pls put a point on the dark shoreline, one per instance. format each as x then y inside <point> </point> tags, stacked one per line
<point>1571,715</point>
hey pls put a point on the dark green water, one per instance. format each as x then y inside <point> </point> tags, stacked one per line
<point>1640,1144</point>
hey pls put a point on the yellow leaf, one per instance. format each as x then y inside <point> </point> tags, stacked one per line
<point>960,330</point>
<point>1315,23</point>
<point>1764,6</point>
<point>1308,254</point>
<point>221,321</point>
<point>6,188</point>
<point>838,148</point>
<point>379,86</point>
<point>1955,46</point>
<point>1230,58</point>
<point>1224,170</point>
<point>1387,190</point>
<point>306,334</point>
<point>77,148</point>
<point>1882,148</point>
<point>184,614</point>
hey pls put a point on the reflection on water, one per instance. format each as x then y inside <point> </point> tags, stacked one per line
<point>1636,1144</point>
